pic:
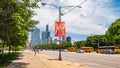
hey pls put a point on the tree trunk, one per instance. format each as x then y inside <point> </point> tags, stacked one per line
<point>15,49</point>
<point>3,50</point>
<point>9,49</point>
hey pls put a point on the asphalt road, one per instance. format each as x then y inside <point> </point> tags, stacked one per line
<point>92,60</point>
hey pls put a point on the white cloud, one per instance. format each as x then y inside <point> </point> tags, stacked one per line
<point>91,18</point>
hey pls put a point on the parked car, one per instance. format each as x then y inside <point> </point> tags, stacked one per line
<point>65,50</point>
<point>107,51</point>
<point>79,51</point>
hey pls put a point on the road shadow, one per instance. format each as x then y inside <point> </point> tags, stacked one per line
<point>53,59</point>
<point>18,65</point>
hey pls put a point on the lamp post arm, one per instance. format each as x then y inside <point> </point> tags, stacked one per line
<point>69,10</point>
<point>73,7</point>
<point>43,4</point>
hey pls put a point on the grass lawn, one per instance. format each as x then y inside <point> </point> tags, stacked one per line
<point>8,59</point>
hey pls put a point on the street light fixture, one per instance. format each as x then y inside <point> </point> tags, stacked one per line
<point>43,4</point>
<point>60,14</point>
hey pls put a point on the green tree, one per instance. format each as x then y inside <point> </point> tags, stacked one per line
<point>113,33</point>
<point>77,44</point>
<point>90,41</point>
<point>80,44</point>
<point>54,46</point>
<point>102,40</point>
<point>95,40</point>
<point>15,21</point>
<point>65,45</point>
<point>47,46</point>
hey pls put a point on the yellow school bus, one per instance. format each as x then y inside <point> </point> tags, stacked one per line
<point>117,49</point>
<point>87,49</point>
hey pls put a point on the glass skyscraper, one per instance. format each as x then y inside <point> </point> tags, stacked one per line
<point>68,39</point>
<point>45,35</point>
<point>35,37</point>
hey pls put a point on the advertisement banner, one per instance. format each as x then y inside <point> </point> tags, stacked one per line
<point>59,29</point>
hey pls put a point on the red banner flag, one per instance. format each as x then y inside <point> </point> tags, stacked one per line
<point>60,29</point>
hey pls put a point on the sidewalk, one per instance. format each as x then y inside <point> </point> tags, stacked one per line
<point>29,60</point>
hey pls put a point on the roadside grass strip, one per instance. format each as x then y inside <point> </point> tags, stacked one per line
<point>8,58</point>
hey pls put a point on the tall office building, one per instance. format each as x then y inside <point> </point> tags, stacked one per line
<point>63,39</point>
<point>35,37</point>
<point>45,35</point>
<point>49,40</point>
<point>68,39</point>
<point>47,27</point>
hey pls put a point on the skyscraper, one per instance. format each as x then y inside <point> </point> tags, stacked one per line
<point>68,39</point>
<point>63,39</point>
<point>35,37</point>
<point>47,27</point>
<point>49,40</point>
<point>45,35</point>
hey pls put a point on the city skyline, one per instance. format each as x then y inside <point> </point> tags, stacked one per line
<point>94,17</point>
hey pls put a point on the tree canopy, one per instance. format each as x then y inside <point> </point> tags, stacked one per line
<point>15,21</point>
<point>113,33</point>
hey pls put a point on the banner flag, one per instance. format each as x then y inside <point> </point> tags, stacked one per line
<point>59,29</point>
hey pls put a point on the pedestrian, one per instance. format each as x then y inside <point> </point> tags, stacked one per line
<point>34,51</point>
<point>38,51</point>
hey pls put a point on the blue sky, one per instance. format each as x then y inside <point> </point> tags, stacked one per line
<point>94,17</point>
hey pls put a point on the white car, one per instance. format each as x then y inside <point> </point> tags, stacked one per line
<point>65,50</point>
<point>79,51</point>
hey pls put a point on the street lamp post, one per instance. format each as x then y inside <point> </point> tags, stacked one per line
<point>60,14</point>
<point>60,58</point>
<point>98,42</point>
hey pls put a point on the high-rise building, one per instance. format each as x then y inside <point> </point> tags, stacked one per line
<point>63,39</point>
<point>47,27</point>
<point>68,39</point>
<point>49,40</point>
<point>35,37</point>
<point>45,35</point>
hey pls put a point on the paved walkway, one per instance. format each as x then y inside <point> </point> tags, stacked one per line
<point>28,59</point>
